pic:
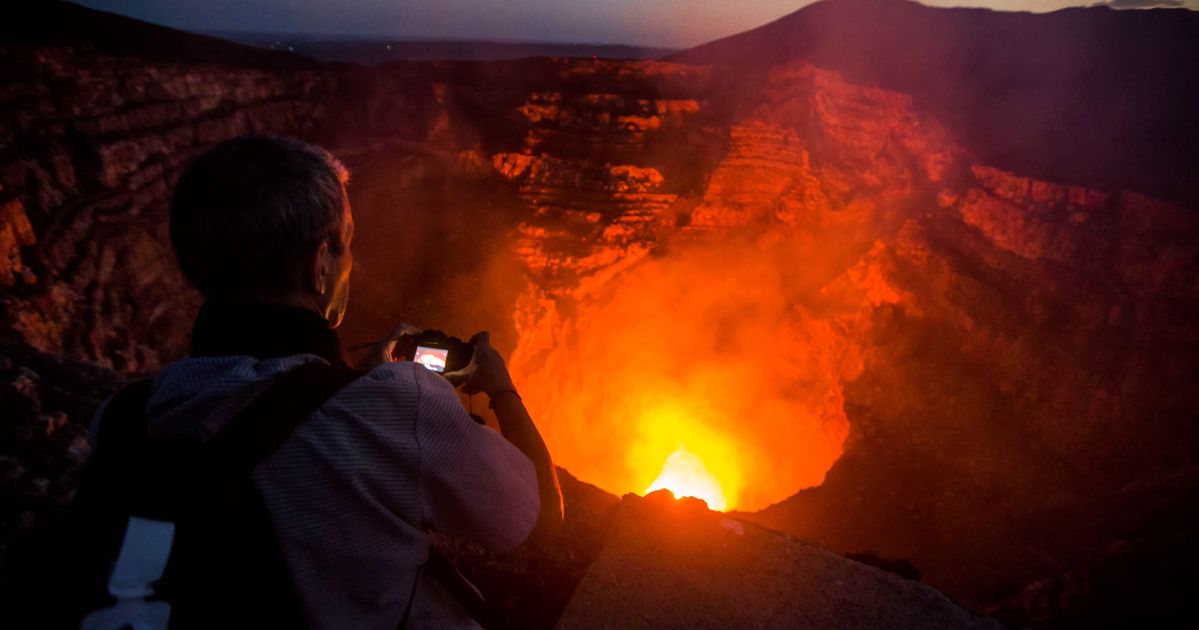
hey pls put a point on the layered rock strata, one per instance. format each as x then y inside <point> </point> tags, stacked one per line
<point>89,148</point>
<point>1005,330</point>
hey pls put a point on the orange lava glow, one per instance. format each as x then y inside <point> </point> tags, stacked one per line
<point>712,372</point>
<point>677,443</point>
<point>685,475</point>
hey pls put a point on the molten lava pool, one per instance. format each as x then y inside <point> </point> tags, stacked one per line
<point>701,374</point>
<point>685,475</point>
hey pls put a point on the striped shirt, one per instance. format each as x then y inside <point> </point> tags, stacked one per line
<point>354,489</point>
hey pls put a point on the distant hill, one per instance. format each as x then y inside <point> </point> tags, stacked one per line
<point>1089,95</point>
<point>57,23</point>
<point>378,51</point>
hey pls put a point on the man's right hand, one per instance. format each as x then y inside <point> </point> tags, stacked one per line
<point>486,371</point>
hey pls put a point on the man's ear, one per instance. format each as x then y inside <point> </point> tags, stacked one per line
<point>319,269</point>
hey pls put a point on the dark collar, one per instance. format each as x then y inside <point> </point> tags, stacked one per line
<point>263,331</point>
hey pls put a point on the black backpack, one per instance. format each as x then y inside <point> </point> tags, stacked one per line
<point>225,567</point>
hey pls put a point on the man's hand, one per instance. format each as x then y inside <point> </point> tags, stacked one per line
<point>486,371</point>
<point>382,353</point>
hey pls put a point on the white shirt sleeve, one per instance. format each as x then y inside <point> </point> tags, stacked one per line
<point>474,484</point>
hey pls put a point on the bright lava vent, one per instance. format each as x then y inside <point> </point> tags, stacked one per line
<point>685,475</point>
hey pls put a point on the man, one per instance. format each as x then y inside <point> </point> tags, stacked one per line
<point>262,227</point>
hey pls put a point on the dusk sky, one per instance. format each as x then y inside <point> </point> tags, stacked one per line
<point>665,23</point>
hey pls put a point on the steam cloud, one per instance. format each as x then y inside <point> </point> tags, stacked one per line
<point>736,353</point>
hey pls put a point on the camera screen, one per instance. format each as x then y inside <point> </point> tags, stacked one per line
<point>432,358</point>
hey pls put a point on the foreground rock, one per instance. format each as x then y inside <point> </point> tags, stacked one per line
<point>677,564</point>
<point>47,403</point>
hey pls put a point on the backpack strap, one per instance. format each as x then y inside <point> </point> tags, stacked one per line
<point>258,430</point>
<point>458,587</point>
<point>122,425</point>
<point>177,475</point>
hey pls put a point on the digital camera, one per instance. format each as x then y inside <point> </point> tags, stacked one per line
<point>435,350</point>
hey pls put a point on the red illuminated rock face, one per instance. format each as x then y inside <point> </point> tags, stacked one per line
<point>1012,350</point>
<point>591,169</point>
<point>998,346</point>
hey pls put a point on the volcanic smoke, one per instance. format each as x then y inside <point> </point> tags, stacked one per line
<point>706,372</point>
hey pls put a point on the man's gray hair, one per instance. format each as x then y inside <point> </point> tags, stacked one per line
<point>248,213</point>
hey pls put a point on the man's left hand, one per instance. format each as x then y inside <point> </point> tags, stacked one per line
<point>382,353</point>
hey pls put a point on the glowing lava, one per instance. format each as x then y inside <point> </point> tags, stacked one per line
<point>679,449</point>
<point>727,350</point>
<point>685,475</point>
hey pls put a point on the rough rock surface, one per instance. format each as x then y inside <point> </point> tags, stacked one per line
<point>675,564</point>
<point>47,404</point>
<point>1091,95</point>
<point>90,144</point>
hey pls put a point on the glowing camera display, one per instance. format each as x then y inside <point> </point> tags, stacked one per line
<point>432,358</point>
<point>434,350</point>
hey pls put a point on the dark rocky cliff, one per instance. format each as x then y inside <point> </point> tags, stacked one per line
<point>1092,96</point>
<point>92,135</point>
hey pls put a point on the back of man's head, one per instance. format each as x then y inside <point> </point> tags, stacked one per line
<point>248,213</point>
